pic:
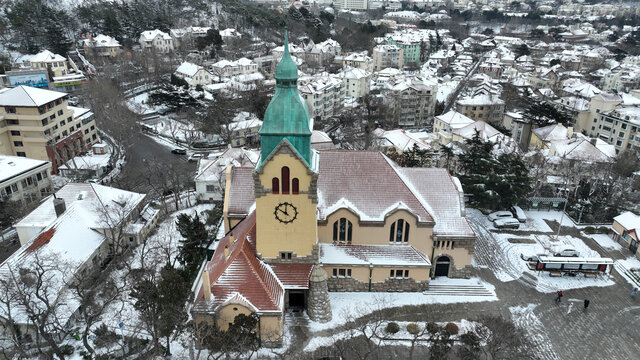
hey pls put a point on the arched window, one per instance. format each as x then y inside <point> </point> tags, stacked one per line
<point>285,179</point>
<point>295,186</point>
<point>275,185</point>
<point>399,232</point>
<point>342,230</point>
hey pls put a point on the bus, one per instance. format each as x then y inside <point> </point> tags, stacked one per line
<point>574,265</point>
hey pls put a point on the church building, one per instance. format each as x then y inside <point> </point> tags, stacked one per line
<point>304,222</point>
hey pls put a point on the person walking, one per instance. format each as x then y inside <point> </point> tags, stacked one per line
<point>634,292</point>
<point>559,298</point>
<point>586,304</point>
<point>570,308</point>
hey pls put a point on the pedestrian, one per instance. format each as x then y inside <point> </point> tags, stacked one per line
<point>570,308</point>
<point>586,304</point>
<point>559,296</point>
<point>634,292</point>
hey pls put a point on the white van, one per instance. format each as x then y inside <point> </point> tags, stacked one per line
<point>519,214</point>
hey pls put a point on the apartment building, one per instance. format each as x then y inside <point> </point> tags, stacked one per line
<point>357,60</point>
<point>619,127</point>
<point>412,100</point>
<point>23,179</point>
<point>156,40</point>
<point>351,4</point>
<point>39,124</point>
<point>356,82</point>
<point>410,48</point>
<point>485,107</point>
<point>101,46</point>
<point>387,56</point>
<point>324,95</point>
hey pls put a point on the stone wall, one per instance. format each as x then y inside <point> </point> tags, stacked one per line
<point>389,285</point>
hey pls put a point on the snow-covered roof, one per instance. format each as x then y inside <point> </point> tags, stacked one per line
<point>93,199</point>
<point>29,96</point>
<point>188,69</point>
<point>149,35</point>
<point>401,139</point>
<point>455,119</point>
<point>377,255</point>
<point>581,148</point>
<point>354,73</point>
<point>483,99</point>
<point>551,132</point>
<point>628,220</point>
<point>12,166</point>
<point>213,169</point>
<point>90,161</point>
<point>46,56</point>
<point>102,41</point>
<point>485,131</point>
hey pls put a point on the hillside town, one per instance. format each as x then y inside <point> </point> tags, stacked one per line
<point>330,179</point>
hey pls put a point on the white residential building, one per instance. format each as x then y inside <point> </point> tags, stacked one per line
<point>323,94</point>
<point>387,56</point>
<point>101,46</point>
<point>351,4</point>
<point>412,100</point>
<point>156,40</point>
<point>23,179</point>
<point>356,82</point>
<point>357,60</point>
<point>210,178</point>
<point>445,124</point>
<point>193,74</point>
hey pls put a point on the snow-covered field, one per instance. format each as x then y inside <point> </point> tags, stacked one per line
<point>605,241</point>
<point>343,310</point>
<point>526,319</point>
<point>624,267</point>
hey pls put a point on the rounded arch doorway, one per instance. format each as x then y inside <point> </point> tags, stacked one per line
<point>442,266</point>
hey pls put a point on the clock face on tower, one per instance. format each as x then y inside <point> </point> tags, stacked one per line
<point>286,213</point>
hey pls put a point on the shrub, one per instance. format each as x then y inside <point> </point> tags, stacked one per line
<point>413,328</point>
<point>451,328</point>
<point>432,328</point>
<point>67,349</point>
<point>603,230</point>
<point>392,328</point>
<point>589,230</point>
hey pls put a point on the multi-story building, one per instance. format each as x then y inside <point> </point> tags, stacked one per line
<point>45,59</point>
<point>444,125</point>
<point>351,4</point>
<point>226,68</point>
<point>156,40</point>
<point>101,46</point>
<point>356,60</point>
<point>39,124</point>
<point>324,95</point>
<point>484,107</point>
<point>23,179</point>
<point>619,127</point>
<point>387,56</point>
<point>412,100</point>
<point>356,82</point>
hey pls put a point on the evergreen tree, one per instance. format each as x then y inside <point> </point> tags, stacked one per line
<point>522,50</point>
<point>195,238</point>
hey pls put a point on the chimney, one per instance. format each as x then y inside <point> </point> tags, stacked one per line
<point>206,285</point>
<point>232,239</point>
<point>59,205</point>
<point>570,131</point>
<point>226,252</point>
<point>593,141</point>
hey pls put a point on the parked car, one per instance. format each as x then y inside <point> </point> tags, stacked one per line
<point>531,257</point>
<point>179,151</point>
<point>566,252</point>
<point>499,215</point>
<point>519,214</point>
<point>506,223</point>
<point>195,157</point>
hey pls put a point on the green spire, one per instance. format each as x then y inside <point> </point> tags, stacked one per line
<point>287,115</point>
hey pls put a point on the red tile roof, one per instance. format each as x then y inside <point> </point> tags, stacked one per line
<point>293,276</point>
<point>378,255</point>
<point>242,273</point>
<point>41,240</point>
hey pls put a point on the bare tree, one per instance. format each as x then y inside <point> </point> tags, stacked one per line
<point>501,339</point>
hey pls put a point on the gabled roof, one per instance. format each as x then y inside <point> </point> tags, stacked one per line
<point>455,119</point>
<point>46,56</point>
<point>235,270</point>
<point>628,220</point>
<point>551,132</point>
<point>29,96</point>
<point>213,169</point>
<point>367,183</point>
<point>241,190</point>
<point>149,35</point>
<point>189,69</point>
<point>11,166</point>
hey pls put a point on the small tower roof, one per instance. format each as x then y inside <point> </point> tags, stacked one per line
<point>286,69</point>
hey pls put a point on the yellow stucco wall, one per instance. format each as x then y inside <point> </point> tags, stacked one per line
<point>271,327</point>
<point>273,236</point>
<point>537,142</point>
<point>378,234</point>
<point>460,256</point>
<point>228,313</point>
<point>380,273</point>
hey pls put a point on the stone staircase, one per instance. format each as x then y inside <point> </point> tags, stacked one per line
<point>436,289</point>
<point>634,276</point>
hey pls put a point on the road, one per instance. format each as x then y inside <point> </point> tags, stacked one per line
<point>145,161</point>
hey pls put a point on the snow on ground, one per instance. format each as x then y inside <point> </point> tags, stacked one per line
<point>506,248</point>
<point>445,89</point>
<point>342,303</point>
<point>525,318</point>
<point>401,338</point>
<point>624,267</point>
<point>605,241</point>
